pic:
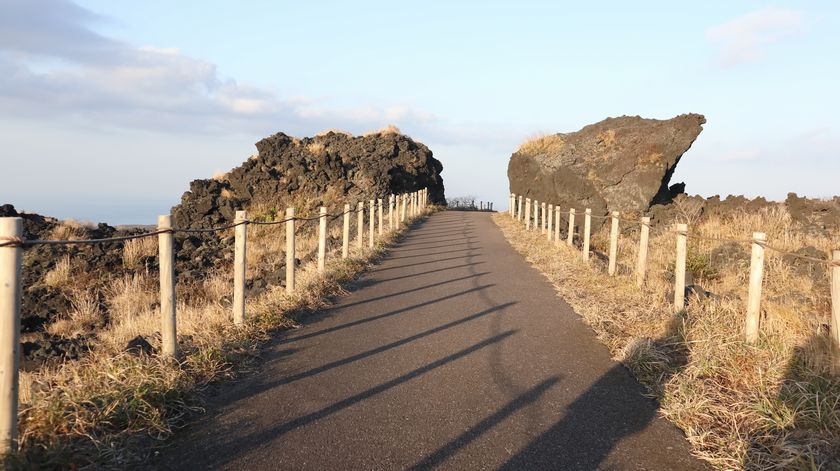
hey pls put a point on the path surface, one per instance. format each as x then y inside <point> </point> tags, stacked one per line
<point>452,353</point>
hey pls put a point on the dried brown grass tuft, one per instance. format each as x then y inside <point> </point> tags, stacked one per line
<point>70,229</point>
<point>769,405</point>
<point>316,148</point>
<point>542,144</point>
<point>135,249</point>
<point>85,316</point>
<point>334,131</point>
<point>59,275</point>
<point>389,129</point>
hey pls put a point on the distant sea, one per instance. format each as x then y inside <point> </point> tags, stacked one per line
<point>111,209</point>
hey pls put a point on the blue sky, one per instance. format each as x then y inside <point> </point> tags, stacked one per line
<point>108,109</point>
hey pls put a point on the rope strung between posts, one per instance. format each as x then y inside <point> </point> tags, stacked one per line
<point>20,242</point>
<point>829,263</point>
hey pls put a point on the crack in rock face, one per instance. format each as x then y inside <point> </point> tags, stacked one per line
<point>619,164</point>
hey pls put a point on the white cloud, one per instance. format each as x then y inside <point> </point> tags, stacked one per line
<point>53,65</point>
<point>746,38</point>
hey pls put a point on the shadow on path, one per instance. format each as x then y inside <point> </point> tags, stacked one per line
<point>242,444</point>
<point>480,428</point>
<point>377,317</point>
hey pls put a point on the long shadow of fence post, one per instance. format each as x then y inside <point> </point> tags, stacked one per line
<point>602,416</point>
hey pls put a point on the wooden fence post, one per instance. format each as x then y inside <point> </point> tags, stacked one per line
<point>641,263</point>
<point>835,303</point>
<point>403,207</point>
<point>322,240</point>
<point>361,223</point>
<point>587,229</point>
<point>166,262</point>
<point>11,279</point>
<point>372,223</point>
<point>550,231</point>
<point>290,250</point>
<point>381,211</point>
<point>527,214</point>
<point>519,210</point>
<point>679,267</point>
<point>756,279</point>
<point>557,225</point>
<point>511,200</point>
<point>536,215</point>
<point>544,220</point>
<point>390,213</point>
<point>345,233</point>
<point>613,243</point>
<point>570,237</point>
<point>239,265</point>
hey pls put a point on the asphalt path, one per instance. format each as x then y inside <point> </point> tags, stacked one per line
<point>452,353</point>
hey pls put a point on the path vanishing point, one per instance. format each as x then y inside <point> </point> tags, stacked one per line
<point>452,353</point>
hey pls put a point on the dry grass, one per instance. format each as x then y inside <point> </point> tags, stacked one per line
<point>108,408</point>
<point>85,316</point>
<point>773,405</point>
<point>542,144</point>
<point>334,131</point>
<point>70,229</point>
<point>59,275</point>
<point>389,129</point>
<point>316,148</point>
<point>135,249</point>
<point>219,176</point>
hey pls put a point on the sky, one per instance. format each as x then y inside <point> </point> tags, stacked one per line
<point>108,109</point>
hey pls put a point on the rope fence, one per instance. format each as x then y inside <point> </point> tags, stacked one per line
<point>402,209</point>
<point>10,241</point>
<point>544,218</point>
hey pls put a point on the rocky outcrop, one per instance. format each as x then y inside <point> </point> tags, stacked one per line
<point>816,216</point>
<point>325,170</point>
<point>619,164</point>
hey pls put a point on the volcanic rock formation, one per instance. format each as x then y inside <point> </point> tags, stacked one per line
<point>619,164</point>
<point>330,170</point>
<point>325,170</point>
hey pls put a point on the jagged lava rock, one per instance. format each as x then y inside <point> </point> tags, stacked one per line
<point>619,164</point>
<point>325,170</point>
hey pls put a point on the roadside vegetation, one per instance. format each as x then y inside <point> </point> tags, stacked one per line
<point>772,405</point>
<point>110,408</point>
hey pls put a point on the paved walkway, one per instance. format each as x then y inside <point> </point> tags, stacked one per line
<point>453,353</point>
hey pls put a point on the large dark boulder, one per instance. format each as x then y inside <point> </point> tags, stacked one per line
<point>329,169</point>
<point>619,164</point>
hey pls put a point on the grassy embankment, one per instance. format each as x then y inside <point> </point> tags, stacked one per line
<point>772,405</point>
<point>110,407</point>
